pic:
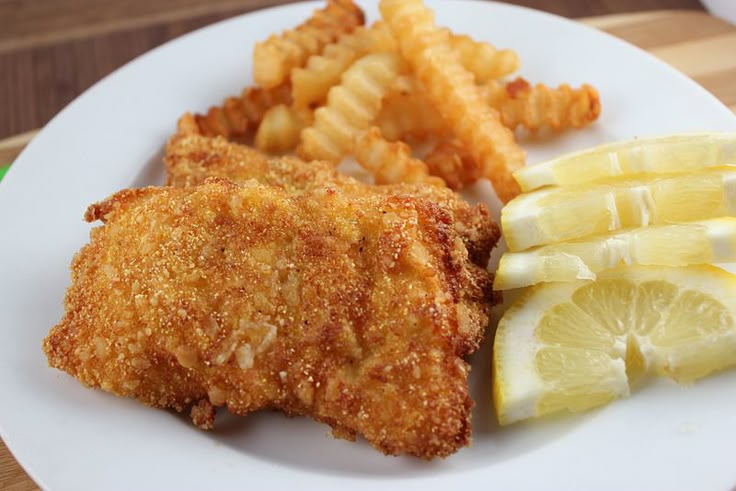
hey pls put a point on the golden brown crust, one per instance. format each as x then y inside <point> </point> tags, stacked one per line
<point>355,310</point>
<point>190,159</point>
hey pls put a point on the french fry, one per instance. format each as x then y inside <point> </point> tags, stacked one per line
<point>225,120</point>
<point>187,125</point>
<point>280,129</point>
<point>255,101</point>
<point>274,58</point>
<point>351,106</point>
<point>401,80</point>
<point>407,114</point>
<point>311,83</point>
<point>540,106</point>
<point>390,162</point>
<point>483,59</point>
<point>237,114</point>
<point>449,160</point>
<point>452,90</point>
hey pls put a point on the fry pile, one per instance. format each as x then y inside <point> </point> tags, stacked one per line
<point>333,87</point>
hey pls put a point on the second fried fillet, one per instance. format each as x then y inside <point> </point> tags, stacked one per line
<point>190,159</point>
<point>356,311</point>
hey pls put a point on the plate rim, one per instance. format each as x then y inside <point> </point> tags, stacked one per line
<point>25,461</point>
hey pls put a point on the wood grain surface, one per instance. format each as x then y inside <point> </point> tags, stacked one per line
<point>699,45</point>
<point>53,50</point>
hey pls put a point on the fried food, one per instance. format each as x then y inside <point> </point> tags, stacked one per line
<point>280,129</point>
<point>452,90</point>
<point>406,114</point>
<point>539,106</point>
<point>449,160</point>
<point>351,106</point>
<point>237,115</point>
<point>416,82</point>
<point>354,310</point>
<point>483,60</point>
<point>191,159</point>
<point>391,162</point>
<point>259,282</point>
<point>274,58</point>
<point>311,83</point>
<point>413,81</point>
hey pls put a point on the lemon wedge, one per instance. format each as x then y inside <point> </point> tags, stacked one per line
<point>707,241</point>
<point>556,214</point>
<point>676,153</point>
<point>577,345</point>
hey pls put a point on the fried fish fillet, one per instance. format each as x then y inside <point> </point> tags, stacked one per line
<point>354,309</point>
<point>192,158</point>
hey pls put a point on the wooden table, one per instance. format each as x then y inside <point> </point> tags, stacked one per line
<point>697,44</point>
<point>53,50</point>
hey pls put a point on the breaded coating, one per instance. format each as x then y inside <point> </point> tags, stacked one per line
<point>191,158</point>
<point>355,310</point>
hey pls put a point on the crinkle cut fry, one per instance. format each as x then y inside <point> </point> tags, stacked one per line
<point>539,106</point>
<point>391,162</point>
<point>406,114</point>
<point>483,60</point>
<point>449,160</point>
<point>311,83</point>
<point>274,58</point>
<point>186,125</point>
<point>351,107</point>
<point>280,129</point>
<point>252,298</point>
<point>237,115</point>
<point>452,90</point>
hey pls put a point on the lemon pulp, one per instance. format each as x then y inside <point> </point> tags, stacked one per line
<point>573,346</point>
<point>559,214</point>
<point>674,153</point>
<point>700,242</point>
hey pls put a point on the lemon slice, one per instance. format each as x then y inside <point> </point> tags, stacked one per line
<point>573,346</point>
<point>707,241</point>
<point>556,214</point>
<point>676,153</point>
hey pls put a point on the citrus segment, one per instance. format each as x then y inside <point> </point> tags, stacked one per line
<point>558,214</point>
<point>573,346</point>
<point>676,153</point>
<point>700,242</point>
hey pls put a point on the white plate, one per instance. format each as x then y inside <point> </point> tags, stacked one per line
<point>70,437</point>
